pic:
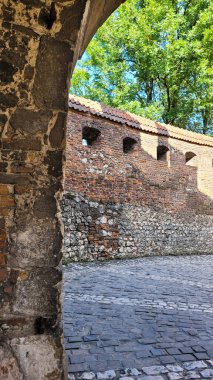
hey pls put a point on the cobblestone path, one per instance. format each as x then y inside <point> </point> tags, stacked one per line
<point>146,319</point>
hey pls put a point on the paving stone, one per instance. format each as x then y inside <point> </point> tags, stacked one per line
<point>77,359</point>
<point>115,364</point>
<point>91,338</point>
<point>96,350</point>
<point>198,349</point>
<point>107,375</point>
<point>151,378</point>
<point>132,371</point>
<point>195,365</point>
<point>115,308</point>
<point>184,357</point>
<point>96,365</point>
<point>164,344</point>
<point>201,355</point>
<point>109,350</point>
<point>158,351</point>
<point>108,343</point>
<point>130,362</point>
<point>173,351</point>
<point>147,340</point>
<point>186,350</point>
<point>75,339</point>
<point>87,376</point>
<point>78,367</point>
<point>73,346</point>
<point>149,362</point>
<point>174,376</point>
<point>154,370</point>
<point>71,377</point>
<point>167,359</point>
<point>174,368</point>
<point>143,354</point>
<point>207,373</point>
<point>193,375</point>
<point>126,347</point>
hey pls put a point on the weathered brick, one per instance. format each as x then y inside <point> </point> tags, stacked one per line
<point>4,211</point>
<point>6,200</point>
<point>21,189</point>
<point>3,274</point>
<point>4,189</point>
<point>2,235</point>
<point>2,259</point>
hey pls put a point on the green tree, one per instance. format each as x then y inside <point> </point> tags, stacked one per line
<point>153,58</point>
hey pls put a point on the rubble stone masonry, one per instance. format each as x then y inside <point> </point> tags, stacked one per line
<point>141,202</point>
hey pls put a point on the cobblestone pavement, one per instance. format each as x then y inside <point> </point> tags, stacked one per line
<point>146,319</point>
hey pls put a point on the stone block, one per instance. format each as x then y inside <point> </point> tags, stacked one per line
<point>35,294</point>
<point>57,133</point>
<point>9,367</point>
<point>30,121</point>
<point>50,88</point>
<point>39,356</point>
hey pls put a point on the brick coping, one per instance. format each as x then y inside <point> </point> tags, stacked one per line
<point>126,118</point>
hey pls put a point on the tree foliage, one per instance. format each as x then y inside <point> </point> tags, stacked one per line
<point>153,58</point>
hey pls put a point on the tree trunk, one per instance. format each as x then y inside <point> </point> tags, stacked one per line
<point>205,121</point>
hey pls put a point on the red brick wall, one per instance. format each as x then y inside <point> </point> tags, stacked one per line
<point>103,173</point>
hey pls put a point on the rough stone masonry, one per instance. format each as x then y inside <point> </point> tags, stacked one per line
<point>134,187</point>
<point>40,41</point>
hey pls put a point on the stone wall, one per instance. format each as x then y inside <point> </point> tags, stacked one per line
<point>95,230</point>
<point>40,41</point>
<point>131,204</point>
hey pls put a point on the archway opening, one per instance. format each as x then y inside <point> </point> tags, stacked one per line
<point>101,223</point>
<point>90,136</point>
<point>129,144</point>
<point>163,153</point>
<point>190,159</point>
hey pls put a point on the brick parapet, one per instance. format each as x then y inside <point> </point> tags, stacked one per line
<point>104,174</point>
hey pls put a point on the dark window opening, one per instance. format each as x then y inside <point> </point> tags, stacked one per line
<point>89,136</point>
<point>190,158</point>
<point>128,144</point>
<point>163,153</point>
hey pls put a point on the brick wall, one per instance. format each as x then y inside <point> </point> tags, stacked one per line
<point>131,204</point>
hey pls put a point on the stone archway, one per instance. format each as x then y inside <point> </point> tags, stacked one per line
<point>40,43</point>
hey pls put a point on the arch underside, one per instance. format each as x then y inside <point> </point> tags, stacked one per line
<point>40,43</point>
